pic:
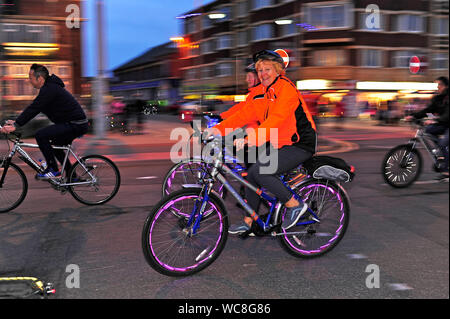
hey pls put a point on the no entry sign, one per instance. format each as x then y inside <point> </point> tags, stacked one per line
<point>414,64</point>
<point>284,55</point>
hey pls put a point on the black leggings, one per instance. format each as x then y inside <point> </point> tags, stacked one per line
<point>281,161</point>
<point>59,135</point>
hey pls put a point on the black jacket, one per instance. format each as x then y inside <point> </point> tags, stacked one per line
<point>439,106</point>
<point>55,102</point>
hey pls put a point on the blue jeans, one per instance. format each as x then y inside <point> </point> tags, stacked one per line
<point>58,134</point>
<point>437,130</point>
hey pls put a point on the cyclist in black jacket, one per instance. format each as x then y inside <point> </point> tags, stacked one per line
<point>61,108</point>
<point>439,107</point>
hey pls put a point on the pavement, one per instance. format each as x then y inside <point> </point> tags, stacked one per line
<point>159,134</point>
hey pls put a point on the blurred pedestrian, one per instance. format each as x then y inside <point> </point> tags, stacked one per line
<point>339,112</point>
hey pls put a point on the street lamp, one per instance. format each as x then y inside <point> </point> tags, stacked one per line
<point>283,21</point>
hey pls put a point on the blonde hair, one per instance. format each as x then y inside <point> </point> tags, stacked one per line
<point>278,68</point>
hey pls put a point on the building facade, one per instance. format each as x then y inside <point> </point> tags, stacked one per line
<point>38,31</point>
<point>154,75</point>
<point>341,43</point>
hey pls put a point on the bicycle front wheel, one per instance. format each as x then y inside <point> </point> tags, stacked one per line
<point>168,242</point>
<point>96,180</point>
<point>14,187</point>
<point>312,238</point>
<point>401,166</point>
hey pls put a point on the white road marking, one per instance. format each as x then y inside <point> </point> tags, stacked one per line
<point>400,287</point>
<point>147,177</point>
<point>357,256</point>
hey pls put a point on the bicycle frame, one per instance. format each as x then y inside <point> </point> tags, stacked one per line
<point>26,158</point>
<point>218,172</point>
<point>425,139</point>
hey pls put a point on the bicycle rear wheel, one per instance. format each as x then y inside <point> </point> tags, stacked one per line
<point>101,179</point>
<point>309,238</point>
<point>187,172</point>
<point>401,166</point>
<point>14,187</point>
<point>167,242</point>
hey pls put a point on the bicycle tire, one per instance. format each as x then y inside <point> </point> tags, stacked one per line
<point>187,175</point>
<point>394,174</point>
<point>167,247</point>
<point>79,192</point>
<point>330,203</point>
<point>5,194</point>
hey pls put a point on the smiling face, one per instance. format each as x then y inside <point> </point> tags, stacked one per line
<point>266,72</point>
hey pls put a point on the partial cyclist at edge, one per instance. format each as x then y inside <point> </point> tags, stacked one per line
<point>275,103</point>
<point>253,81</point>
<point>62,109</point>
<point>439,107</point>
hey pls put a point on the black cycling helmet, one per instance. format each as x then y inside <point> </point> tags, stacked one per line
<point>250,68</point>
<point>268,55</point>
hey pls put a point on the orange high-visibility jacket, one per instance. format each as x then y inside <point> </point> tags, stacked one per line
<point>238,107</point>
<point>278,106</point>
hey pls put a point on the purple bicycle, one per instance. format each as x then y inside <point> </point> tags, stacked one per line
<point>187,230</point>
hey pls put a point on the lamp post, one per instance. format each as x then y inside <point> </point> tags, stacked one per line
<point>100,86</point>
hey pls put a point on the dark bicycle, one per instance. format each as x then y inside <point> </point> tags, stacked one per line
<point>402,165</point>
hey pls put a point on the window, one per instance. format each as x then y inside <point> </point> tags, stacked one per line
<point>329,16</point>
<point>191,74</point>
<point>224,42</point>
<point>257,4</point>
<point>400,59</point>
<point>206,22</point>
<point>30,33</point>
<point>208,72</point>
<point>371,58</point>
<point>224,69</point>
<point>439,61</point>
<point>263,31</point>
<point>288,29</point>
<point>440,26</point>
<point>242,38</point>
<point>189,25</point>
<point>207,46</point>
<point>329,57</point>
<point>409,23</point>
<point>241,9</point>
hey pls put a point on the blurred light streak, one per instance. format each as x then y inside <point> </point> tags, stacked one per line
<point>313,84</point>
<point>396,86</point>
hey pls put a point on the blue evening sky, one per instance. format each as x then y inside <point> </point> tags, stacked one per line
<point>132,27</point>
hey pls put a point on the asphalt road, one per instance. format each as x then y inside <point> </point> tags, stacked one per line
<point>400,235</point>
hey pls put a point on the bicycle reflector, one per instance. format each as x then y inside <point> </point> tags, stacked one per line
<point>24,288</point>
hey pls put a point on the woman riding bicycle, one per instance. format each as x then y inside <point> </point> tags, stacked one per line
<point>276,104</point>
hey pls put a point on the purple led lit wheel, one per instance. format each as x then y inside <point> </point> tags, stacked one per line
<point>310,238</point>
<point>168,242</point>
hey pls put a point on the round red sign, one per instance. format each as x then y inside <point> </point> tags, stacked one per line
<point>414,64</point>
<point>284,55</point>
